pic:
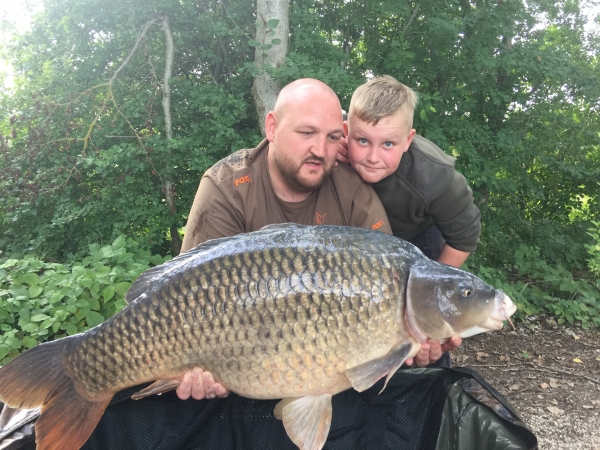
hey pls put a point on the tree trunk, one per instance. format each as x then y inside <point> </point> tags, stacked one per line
<point>265,88</point>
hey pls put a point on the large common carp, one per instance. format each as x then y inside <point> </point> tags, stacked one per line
<point>290,311</point>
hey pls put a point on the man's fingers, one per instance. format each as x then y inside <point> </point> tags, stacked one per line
<point>198,391</point>
<point>220,390</point>
<point>452,344</point>
<point>185,388</point>
<point>208,381</point>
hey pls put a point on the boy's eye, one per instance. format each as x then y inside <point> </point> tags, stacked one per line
<point>362,141</point>
<point>388,144</point>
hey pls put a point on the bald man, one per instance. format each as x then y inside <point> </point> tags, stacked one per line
<point>289,177</point>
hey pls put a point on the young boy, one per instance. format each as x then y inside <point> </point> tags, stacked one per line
<point>427,202</point>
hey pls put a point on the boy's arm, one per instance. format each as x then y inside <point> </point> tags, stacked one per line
<point>453,257</point>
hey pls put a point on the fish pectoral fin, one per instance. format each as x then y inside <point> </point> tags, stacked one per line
<point>367,374</point>
<point>306,420</point>
<point>158,387</point>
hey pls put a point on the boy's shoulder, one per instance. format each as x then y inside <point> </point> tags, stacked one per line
<point>426,152</point>
<point>426,168</point>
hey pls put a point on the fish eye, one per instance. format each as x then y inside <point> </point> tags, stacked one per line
<point>466,289</point>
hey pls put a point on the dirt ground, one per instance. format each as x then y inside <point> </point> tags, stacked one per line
<point>549,373</point>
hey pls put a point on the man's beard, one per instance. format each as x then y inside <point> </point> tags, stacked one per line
<point>291,173</point>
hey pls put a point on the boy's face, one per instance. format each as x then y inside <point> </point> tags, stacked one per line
<point>375,150</point>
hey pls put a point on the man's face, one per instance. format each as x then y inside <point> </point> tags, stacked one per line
<point>375,150</point>
<point>305,140</point>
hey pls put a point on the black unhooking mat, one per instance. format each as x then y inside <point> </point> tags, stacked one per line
<point>437,409</point>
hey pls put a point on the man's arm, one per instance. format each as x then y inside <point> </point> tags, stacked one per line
<point>212,216</point>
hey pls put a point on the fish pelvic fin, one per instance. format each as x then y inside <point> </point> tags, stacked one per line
<point>158,387</point>
<point>306,420</point>
<point>364,376</point>
<point>37,378</point>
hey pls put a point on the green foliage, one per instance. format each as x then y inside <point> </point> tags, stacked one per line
<point>594,250</point>
<point>42,300</point>
<point>537,287</point>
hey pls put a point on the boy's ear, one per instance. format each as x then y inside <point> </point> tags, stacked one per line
<point>270,126</point>
<point>409,139</point>
<point>345,128</point>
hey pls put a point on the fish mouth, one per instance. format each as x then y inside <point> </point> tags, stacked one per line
<point>504,308</point>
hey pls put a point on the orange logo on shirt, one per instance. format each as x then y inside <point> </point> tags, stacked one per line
<point>321,218</point>
<point>377,225</point>
<point>242,180</point>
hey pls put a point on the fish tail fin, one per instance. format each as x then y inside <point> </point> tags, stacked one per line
<point>38,378</point>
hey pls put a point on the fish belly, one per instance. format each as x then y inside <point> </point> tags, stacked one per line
<point>269,320</point>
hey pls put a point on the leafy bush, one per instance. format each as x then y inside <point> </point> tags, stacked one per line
<point>537,287</point>
<point>41,300</point>
<point>594,250</point>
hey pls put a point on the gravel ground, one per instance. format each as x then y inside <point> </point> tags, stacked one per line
<point>549,373</point>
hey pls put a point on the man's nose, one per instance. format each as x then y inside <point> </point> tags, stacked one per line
<point>319,147</point>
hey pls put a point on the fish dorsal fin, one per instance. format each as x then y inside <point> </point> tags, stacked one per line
<point>150,276</point>
<point>367,374</point>
<point>306,420</point>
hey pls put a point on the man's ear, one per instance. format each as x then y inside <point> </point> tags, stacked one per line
<point>345,128</point>
<point>409,139</point>
<point>270,125</point>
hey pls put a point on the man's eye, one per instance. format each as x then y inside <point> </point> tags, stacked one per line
<point>334,138</point>
<point>306,133</point>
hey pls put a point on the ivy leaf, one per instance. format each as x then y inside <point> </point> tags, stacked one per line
<point>275,41</point>
<point>253,43</point>
<point>272,23</point>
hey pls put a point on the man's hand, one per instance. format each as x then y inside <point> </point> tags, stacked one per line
<point>200,384</point>
<point>342,154</point>
<point>432,350</point>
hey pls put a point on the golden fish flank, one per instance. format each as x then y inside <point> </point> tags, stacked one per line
<point>293,312</point>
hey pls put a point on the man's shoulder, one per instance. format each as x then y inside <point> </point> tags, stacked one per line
<point>234,165</point>
<point>345,175</point>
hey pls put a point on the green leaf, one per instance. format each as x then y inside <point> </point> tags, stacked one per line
<point>276,41</point>
<point>29,342</point>
<point>108,293</point>
<point>423,115</point>
<point>272,23</point>
<point>119,242</point>
<point>4,349</point>
<point>266,47</point>
<point>122,287</point>
<point>39,317</point>
<point>71,329</point>
<point>82,303</point>
<point>30,327</point>
<point>253,43</point>
<point>78,270</point>
<point>31,279</point>
<point>93,318</point>
<point>34,291</point>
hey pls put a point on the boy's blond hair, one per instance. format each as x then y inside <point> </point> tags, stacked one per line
<point>382,97</point>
